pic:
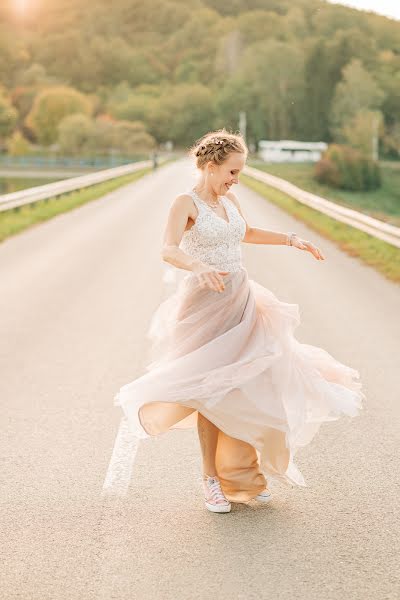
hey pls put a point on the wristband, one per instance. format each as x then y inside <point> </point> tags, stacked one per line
<point>289,241</point>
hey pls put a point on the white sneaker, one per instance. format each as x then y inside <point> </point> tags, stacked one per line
<point>214,497</point>
<point>264,496</point>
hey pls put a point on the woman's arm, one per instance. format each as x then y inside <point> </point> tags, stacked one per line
<point>266,236</point>
<point>254,235</point>
<point>176,224</point>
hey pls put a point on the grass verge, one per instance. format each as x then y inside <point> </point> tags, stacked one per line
<point>382,204</point>
<point>14,221</point>
<point>382,256</point>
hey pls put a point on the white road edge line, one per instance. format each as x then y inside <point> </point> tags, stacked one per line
<point>119,471</point>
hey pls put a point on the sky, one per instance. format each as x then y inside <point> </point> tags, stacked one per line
<point>390,8</point>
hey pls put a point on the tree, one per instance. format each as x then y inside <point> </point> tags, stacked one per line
<point>135,108</point>
<point>272,75</point>
<point>279,60</point>
<point>35,74</point>
<point>229,52</point>
<point>391,141</point>
<point>22,99</point>
<point>260,25</point>
<point>317,93</point>
<point>232,98</point>
<point>361,132</point>
<point>80,135</point>
<point>296,23</point>
<point>76,134</point>
<point>356,92</point>
<point>8,116</point>
<point>182,113</point>
<point>50,107</point>
<point>131,137</point>
<point>17,145</point>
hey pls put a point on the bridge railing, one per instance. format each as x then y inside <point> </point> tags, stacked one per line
<point>379,229</point>
<point>14,200</point>
<point>54,162</point>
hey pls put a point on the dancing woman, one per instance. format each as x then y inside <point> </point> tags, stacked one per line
<point>224,355</point>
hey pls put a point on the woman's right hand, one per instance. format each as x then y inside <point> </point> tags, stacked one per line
<point>210,277</point>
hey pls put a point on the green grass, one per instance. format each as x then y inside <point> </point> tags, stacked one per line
<point>383,203</point>
<point>15,221</point>
<point>15,184</point>
<point>382,256</point>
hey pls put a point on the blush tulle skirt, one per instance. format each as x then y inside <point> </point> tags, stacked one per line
<point>233,357</point>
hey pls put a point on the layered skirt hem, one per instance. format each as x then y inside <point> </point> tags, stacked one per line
<point>233,357</point>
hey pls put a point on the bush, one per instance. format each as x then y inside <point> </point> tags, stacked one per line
<point>17,145</point>
<point>346,168</point>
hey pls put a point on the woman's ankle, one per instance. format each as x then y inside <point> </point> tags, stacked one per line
<point>209,473</point>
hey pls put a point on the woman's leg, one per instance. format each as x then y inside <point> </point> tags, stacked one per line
<point>208,436</point>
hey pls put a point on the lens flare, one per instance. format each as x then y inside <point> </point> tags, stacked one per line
<point>21,5</point>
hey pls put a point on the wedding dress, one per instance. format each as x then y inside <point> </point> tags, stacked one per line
<point>233,357</point>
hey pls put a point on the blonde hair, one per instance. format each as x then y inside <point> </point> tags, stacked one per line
<point>216,146</point>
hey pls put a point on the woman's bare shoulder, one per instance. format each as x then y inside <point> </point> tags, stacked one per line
<point>184,203</point>
<point>183,198</point>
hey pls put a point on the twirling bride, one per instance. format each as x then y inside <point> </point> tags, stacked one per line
<point>223,352</point>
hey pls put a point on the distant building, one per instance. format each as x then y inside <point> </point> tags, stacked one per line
<point>290,151</point>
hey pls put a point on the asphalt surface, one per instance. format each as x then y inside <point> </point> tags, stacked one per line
<point>77,293</point>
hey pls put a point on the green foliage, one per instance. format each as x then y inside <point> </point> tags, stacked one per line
<point>290,64</point>
<point>356,92</point>
<point>131,137</point>
<point>76,134</point>
<point>34,74</point>
<point>272,94</point>
<point>79,135</point>
<point>317,93</point>
<point>50,107</point>
<point>391,141</point>
<point>346,168</point>
<point>178,113</point>
<point>359,131</point>
<point>23,98</point>
<point>17,145</point>
<point>8,116</point>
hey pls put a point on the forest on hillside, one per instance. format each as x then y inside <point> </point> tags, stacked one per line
<point>92,73</point>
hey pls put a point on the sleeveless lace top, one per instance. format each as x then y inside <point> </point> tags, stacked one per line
<point>212,239</point>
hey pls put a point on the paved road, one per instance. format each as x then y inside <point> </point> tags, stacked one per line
<point>75,300</point>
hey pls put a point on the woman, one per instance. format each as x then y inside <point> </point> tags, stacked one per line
<point>223,351</point>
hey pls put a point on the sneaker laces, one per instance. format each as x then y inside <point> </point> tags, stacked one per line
<point>215,493</point>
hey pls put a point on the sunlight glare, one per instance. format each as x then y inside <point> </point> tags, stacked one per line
<point>21,5</point>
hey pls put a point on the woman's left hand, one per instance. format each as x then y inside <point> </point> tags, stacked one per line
<point>306,245</point>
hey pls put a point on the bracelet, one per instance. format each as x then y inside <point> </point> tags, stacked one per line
<point>289,241</point>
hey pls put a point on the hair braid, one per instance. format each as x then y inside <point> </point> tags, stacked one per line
<point>216,146</point>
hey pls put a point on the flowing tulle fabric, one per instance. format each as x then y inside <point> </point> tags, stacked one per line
<point>233,357</point>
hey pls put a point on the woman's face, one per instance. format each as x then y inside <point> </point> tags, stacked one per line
<point>228,173</point>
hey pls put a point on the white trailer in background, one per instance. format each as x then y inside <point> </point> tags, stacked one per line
<point>290,151</point>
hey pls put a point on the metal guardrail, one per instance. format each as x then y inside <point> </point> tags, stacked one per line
<point>90,162</point>
<point>379,229</point>
<point>52,190</point>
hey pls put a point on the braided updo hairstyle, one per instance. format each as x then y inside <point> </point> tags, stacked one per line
<point>216,146</point>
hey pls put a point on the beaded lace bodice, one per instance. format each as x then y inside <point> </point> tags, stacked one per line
<point>214,240</point>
